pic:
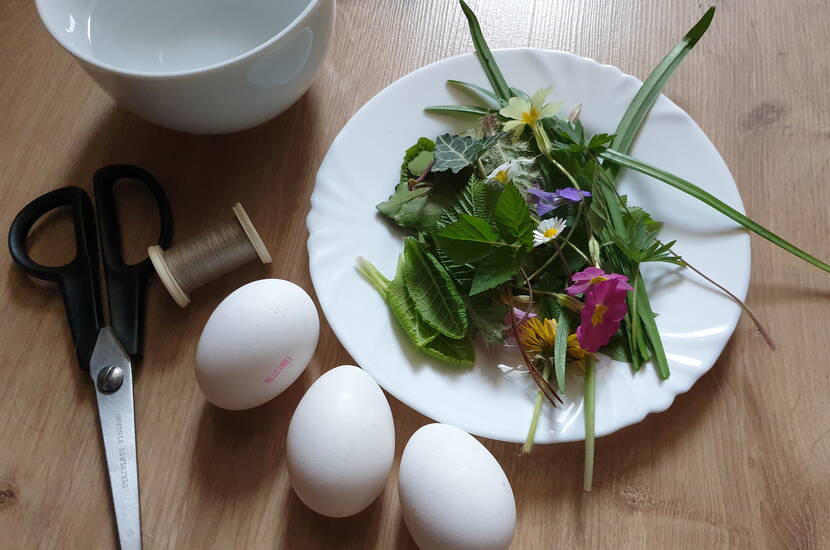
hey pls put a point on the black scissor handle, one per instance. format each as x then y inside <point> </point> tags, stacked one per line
<point>79,278</point>
<point>127,283</point>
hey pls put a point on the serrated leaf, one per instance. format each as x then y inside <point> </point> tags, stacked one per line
<point>513,216</point>
<point>403,308</point>
<point>433,292</point>
<point>455,351</point>
<point>478,199</point>
<point>497,268</point>
<point>453,152</point>
<point>468,239</point>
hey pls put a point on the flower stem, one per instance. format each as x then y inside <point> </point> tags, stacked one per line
<point>537,411</point>
<point>589,409</point>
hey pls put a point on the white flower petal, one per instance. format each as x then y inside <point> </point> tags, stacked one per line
<point>551,109</point>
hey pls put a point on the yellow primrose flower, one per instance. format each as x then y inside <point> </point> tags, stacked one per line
<point>528,113</point>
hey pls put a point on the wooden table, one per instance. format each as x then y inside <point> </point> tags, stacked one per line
<point>740,461</point>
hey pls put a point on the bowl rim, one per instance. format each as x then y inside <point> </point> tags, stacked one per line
<point>287,31</point>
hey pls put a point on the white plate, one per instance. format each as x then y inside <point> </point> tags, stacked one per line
<point>362,168</point>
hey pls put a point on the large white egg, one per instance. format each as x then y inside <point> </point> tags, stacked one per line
<point>454,495</point>
<point>257,341</point>
<point>341,443</point>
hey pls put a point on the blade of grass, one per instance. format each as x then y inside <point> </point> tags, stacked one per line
<point>560,348</point>
<point>650,327</point>
<point>484,92</point>
<point>710,200</point>
<point>485,56</point>
<point>589,410</point>
<point>640,106</point>
<point>456,110</point>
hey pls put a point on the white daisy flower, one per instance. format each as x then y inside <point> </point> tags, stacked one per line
<point>509,170</point>
<point>547,230</point>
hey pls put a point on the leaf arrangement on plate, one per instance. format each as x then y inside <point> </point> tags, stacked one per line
<point>517,235</point>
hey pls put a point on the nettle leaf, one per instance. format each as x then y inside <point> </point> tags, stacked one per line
<point>468,239</point>
<point>432,291</point>
<point>450,350</point>
<point>453,152</point>
<point>421,208</point>
<point>497,268</point>
<point>513,216</point>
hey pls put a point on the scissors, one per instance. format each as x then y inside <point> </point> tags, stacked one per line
<point>104,351</point>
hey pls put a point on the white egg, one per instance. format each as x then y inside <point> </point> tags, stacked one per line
<point>341,443</point>
<point>454,495</point>
<point>257,341</point>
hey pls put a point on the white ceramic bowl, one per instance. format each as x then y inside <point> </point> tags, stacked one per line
<point>199,66</point>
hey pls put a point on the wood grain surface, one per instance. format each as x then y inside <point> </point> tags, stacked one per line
<point>740,461</point>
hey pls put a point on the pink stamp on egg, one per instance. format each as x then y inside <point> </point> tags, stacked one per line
<point>278,369</point>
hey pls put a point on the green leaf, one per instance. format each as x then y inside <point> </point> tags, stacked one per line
<point>485,56</point>
<point>484,92</point>
<point>433,292</point>
<point>648,93</point>
<point>499,267</point>
<point>403,308</point>
<point>618,348</point>
<point>650,328</point>
<point>486,313</point>
<point>471,110</point>
<point>374,276</point>
<point>423,144</point>
<point>560,348</point>
<point>468,239</point>
<point>455,153</point>
<point>420,163</point>
<point>513,216</point>
<point>477,199</point>
<point>710,200</point>
<point>454,351</point>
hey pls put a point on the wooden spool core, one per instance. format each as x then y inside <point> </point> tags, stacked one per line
<point>203,258</point>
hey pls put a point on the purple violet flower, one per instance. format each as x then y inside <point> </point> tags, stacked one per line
<point>546,201</point>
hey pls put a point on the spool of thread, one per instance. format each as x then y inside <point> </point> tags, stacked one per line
<point>201,259</point>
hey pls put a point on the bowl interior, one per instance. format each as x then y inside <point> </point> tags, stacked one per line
<point>163,36</point>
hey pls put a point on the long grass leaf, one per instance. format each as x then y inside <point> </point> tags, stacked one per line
<point>710,200</point>
<point>485,56</point>
<point>637,111</point>
<point>650,328</point>
<point>456,110</point>
<point>484,92</point>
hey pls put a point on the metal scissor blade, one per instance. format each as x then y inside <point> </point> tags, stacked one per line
<point>111,372</point>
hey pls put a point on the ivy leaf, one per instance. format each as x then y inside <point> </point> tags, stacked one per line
<point>455,351</point>
<point>513,216</point>
<point>433,293</point>
<point>468,239</point>
<point>455,153</point>
<point>497,268</point>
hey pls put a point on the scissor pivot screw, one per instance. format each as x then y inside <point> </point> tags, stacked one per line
<point>110,379</point>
